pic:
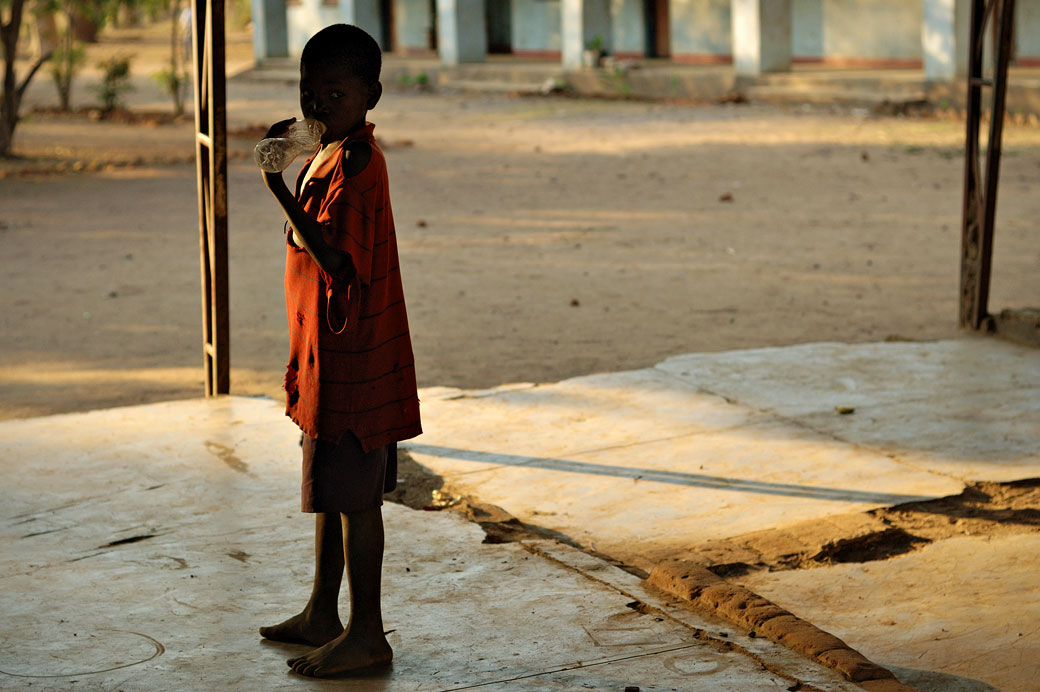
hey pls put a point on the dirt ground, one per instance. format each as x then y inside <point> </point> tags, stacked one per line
<point>541,238</point>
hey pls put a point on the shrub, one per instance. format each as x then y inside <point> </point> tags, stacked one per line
<point>115,81</point>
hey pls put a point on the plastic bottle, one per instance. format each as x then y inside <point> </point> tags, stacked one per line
<point>274,154</point>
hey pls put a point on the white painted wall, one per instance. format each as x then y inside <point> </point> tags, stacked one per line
<point>269,29</point>
<point>700,27</point>
<point>629,26</point>
<point>307,19</point>
<point>1027,29</point>
<point>536,26</point>
<point>412,21</point>
<point>871,29</point>
<point>461,33</point>
<point>876,29</point>
<point>807,28</point>
<point>761,36</point>
<point>867,29</point>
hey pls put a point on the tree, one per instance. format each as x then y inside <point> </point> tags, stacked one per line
<point>13,91</point>
<point>68,56</point>
<point>175,77</point>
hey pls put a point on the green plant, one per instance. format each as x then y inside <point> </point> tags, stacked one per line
<point>115,81</point>
<point>173,83</point>
<point>421,80</point>
<point>616,81</point>
<point>596,44</point>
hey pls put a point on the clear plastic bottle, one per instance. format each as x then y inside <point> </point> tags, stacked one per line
<point>274,154</point>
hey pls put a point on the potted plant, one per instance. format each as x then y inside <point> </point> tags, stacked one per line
<point>594,52</point>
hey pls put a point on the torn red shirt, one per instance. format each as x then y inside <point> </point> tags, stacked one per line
<point>351,365</point>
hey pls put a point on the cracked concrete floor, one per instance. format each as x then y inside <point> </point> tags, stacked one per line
<point>142,546</point>
<point>653,464</point>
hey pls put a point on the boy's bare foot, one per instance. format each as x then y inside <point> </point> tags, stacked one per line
<point>304,629</point>
<point>346,653</point>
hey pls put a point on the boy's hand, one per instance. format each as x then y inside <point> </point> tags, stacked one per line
<point>279,128</point>
<point>273,180</point>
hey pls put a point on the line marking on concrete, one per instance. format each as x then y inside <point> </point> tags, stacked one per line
<point>659,476</point>
<point>159,651</point>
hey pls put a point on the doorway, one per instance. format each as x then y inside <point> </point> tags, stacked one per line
<point>499,25</point>
<point>658,31</point>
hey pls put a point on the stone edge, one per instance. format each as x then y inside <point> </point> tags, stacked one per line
<point>709,593</point>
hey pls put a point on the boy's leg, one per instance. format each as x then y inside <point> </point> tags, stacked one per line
<point>319,622</point>
<point>363,643</point>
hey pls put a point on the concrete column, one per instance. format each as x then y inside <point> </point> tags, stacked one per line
<point>581,22</point>
<point>364,14</point>
<point>945,37</point>
<point>270,29</point>
<point>461,31</point>
<point>761,36</point>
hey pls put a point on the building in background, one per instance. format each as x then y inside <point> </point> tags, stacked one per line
<point>755,36</point>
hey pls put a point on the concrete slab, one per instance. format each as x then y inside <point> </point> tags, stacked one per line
<point>709,446</point>
<point>636,500</point>
<point>967,408</point>
<point>752,440</point>
<point>977,624</point>
<point>143,546</point>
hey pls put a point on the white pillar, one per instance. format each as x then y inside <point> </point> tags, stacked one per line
<point>761,36</point>
<point>945,36</point>
<point>582,22</point>
<point>461,31</point>
<point>363,14</point>
<point>270,29</point>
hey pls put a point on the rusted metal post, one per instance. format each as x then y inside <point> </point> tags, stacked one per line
<point>980,194</point>
<point>211,165</point>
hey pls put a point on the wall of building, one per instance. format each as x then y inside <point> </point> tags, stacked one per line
<point>536,27</point>
<point>412,24</point>
<point>307,18</point>
<point>700,29</point>
<point>869,29</point>
<point>820,29</point>
<point>807,28</point>
<point>884,30</point>
<point>629,27</point>
<point>1027,30</point>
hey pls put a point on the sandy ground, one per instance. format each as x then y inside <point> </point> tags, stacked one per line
<point>541,238</point>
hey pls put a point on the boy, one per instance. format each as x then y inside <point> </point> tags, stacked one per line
<point>350,382</point>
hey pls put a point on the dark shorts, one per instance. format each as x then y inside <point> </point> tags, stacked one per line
<point>343,478</point>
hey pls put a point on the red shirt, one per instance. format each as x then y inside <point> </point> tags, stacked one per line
<point>350,354</point>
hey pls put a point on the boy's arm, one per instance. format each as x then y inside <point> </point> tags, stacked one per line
<point>331,260</point>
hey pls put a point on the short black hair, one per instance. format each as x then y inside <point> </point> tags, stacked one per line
<point>347,46</point>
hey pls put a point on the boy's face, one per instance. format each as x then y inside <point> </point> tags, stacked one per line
<point>336,97</point>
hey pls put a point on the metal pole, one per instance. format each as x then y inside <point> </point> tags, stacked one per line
<point>211,167</point>
<point>980,195</point>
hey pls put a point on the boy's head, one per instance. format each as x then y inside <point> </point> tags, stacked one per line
<point>339,79</point>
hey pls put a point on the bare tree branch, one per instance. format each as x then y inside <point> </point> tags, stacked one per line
<point>32,72</point>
